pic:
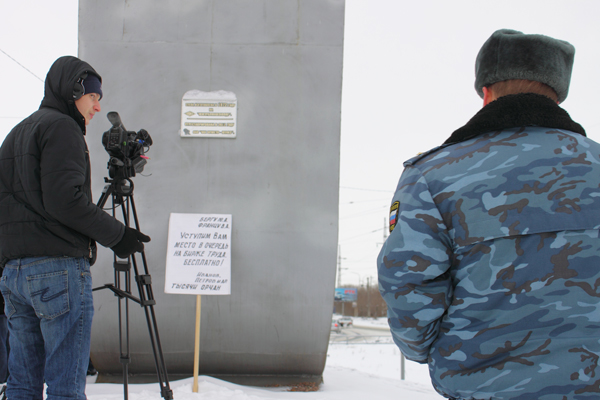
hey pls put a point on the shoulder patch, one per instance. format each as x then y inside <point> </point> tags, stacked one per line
<point>422,155</point>
<point>394,215</point>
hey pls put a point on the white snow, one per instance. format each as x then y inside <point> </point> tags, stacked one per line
<point>214,95</point>
<point>352,372</point>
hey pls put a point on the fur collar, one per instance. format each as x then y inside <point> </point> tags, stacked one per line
<point>516,110</point>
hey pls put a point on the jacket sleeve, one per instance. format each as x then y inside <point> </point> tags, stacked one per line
<point>413,268</point>
<point>63,170</point>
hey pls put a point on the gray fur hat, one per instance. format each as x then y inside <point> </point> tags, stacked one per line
<point>510,54</point>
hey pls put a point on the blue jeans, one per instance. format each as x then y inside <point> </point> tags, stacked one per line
<point>49,306</point>
<point>3,349</point>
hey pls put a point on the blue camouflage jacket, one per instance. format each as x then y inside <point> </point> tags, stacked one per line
<point>491,272</point>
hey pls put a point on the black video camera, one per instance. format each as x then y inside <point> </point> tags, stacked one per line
<point>126,148</point>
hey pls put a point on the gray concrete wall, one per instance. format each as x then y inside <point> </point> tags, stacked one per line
<point>279,178</point>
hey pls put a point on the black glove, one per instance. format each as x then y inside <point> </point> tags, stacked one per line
<point>130,243</point>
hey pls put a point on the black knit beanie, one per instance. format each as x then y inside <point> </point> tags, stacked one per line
<point>91,84</point>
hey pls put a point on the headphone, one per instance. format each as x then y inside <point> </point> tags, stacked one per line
<point>78,88</point>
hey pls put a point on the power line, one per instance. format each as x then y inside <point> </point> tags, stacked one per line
<point>364,201</point>
<point>366,190</point>
<point>363,213</point>
<point>21,65</point>
<point>360,235</point>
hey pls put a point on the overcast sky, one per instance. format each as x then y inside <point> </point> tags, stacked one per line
<point>407,84</point>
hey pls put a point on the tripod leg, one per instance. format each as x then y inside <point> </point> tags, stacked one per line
<point>144,283</point>
<point>124,356</point>
<point>147,301</point>
<point>122,267</point>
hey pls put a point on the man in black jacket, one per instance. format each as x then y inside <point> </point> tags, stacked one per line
<point>49,227</point>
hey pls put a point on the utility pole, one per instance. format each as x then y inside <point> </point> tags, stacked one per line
<point>368,297</point>
<point>385,232</point>
<point>385,229</point>
<point>339,280</point>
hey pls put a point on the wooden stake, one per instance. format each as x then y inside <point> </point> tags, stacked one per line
<point>197,344</point>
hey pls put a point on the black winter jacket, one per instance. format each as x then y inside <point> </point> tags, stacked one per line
<point>46,206</point>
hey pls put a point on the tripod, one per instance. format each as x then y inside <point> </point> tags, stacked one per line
<point>121,192</point>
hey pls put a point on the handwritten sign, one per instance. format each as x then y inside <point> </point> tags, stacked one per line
<point>199,254</point>
<point>208,114</point>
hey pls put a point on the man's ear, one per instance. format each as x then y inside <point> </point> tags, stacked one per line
<point>487,96</point>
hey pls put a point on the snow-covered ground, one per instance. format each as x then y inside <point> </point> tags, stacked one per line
<point>352,372</point>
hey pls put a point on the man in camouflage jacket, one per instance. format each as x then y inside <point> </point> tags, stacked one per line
<point>491,272</point>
